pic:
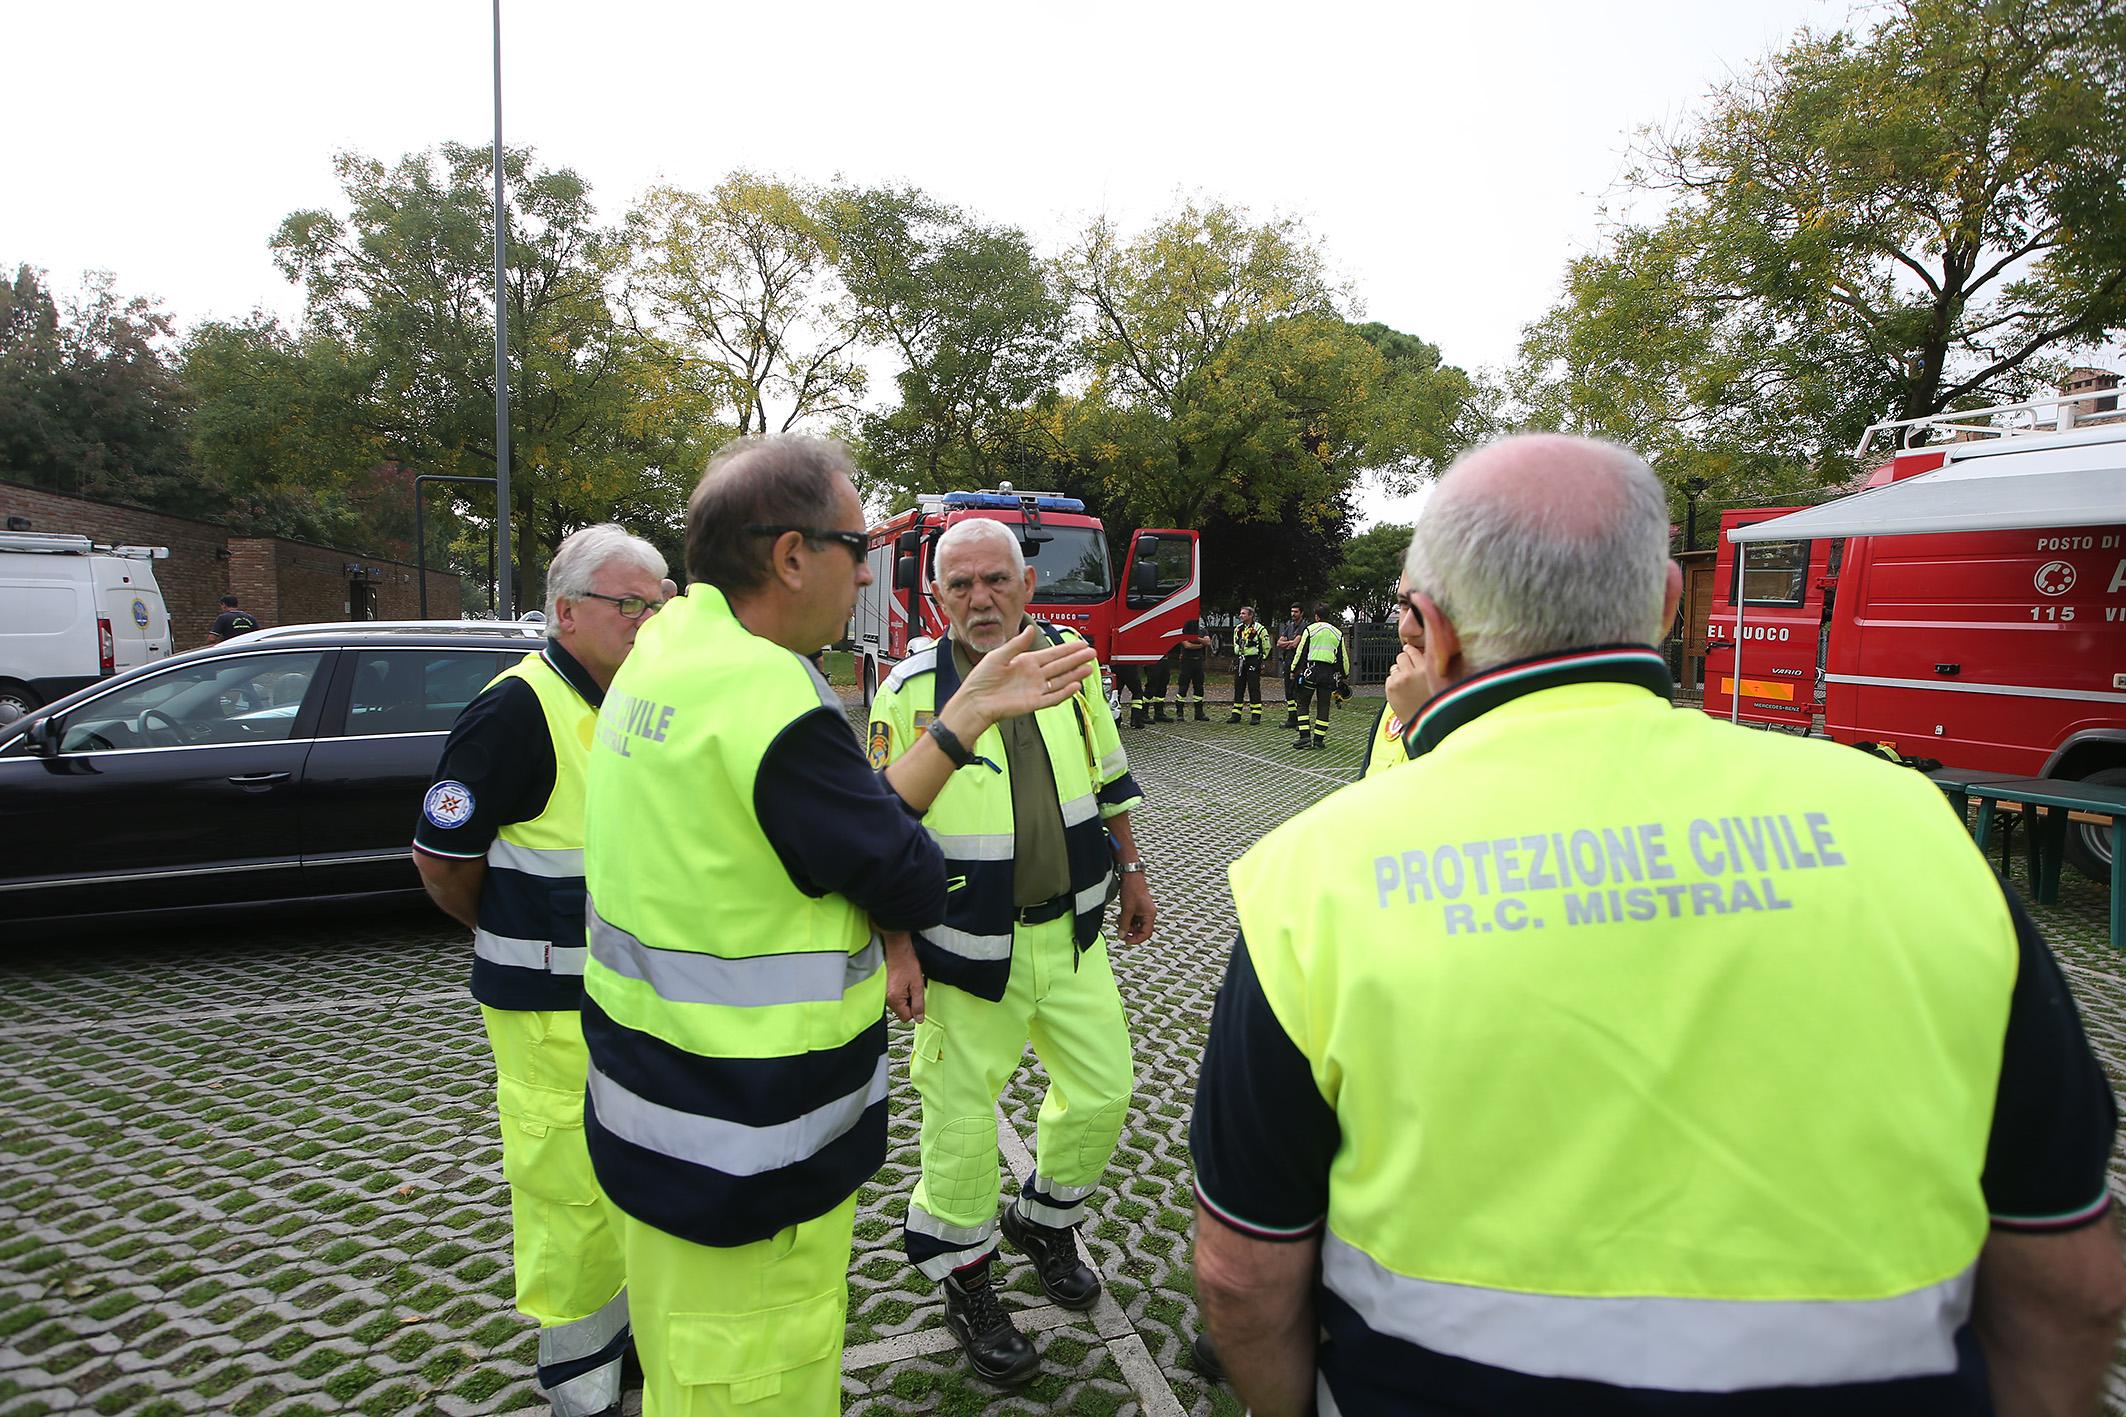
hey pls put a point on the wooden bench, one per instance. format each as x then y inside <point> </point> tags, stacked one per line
<point>2048,805</point>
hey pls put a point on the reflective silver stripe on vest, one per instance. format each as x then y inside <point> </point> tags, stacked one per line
<point>1684,1345</point>
<point>554,865</point>
<point>1080,809</point>
<point>1114,765</point>
<point>976,846</point>
<point>1094,896</point>
<point>971,1241</point>
<point>528,954</point>
<point>968,946</point>
<point>760,981</point>
<point>730,1147</point>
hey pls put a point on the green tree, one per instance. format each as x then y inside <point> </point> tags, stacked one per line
<point>739,288</point>
<point>1365,578</point>
<point>402,287</point>
<point>90,398</point>
<point>1867,226</point>
<point>968,312</point>
<point>1224,378</point>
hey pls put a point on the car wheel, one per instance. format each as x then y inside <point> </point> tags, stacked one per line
<point>2089,843</point>
<point>17,699</point>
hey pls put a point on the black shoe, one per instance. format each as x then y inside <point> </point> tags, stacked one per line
<point>1201,717</point>
<point>1064,1277</point>
<point>1303,742</point>
<point>1321,742</point>
<point>1206,1358</point>
<point>1291,723</point>
<point>996,1350</point>
<point>1232,718</point>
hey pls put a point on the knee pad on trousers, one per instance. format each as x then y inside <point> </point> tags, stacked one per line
<point>960,1166</point>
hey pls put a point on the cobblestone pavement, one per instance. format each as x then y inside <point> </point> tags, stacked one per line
<point>253,1169</point>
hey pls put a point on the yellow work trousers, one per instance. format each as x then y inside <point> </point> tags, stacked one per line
<point>749,1329</point>
<point>570,1270</point>
<point>966,1049</point>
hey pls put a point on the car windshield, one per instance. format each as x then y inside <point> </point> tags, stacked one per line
<point>1072,567</point>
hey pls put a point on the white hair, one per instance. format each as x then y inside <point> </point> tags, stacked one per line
<point>1529,575</point>
<point>583,553</point>
<point>972,529</point>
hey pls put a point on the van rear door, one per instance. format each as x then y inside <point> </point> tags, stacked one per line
<point>1780,612</point>
<point>128,597</point>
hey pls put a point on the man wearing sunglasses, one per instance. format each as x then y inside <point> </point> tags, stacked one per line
<point>499,846</point>
<point>741,861</point>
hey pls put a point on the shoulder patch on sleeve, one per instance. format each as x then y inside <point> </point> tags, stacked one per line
<point>448,804</point>
<point>881,744</point>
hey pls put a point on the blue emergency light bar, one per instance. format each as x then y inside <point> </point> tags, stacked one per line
<point>1006,501</point>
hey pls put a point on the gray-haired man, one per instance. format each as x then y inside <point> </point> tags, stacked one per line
<point>500,848</point>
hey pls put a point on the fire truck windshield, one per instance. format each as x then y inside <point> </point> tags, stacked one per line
<point>1071,569</point>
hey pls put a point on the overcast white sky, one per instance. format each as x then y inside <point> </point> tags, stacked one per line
<point>1451,157</point>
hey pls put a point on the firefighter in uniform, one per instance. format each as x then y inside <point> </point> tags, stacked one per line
<point>1745,1085</point>
<point>1288,635</point>
<point>741,860</point>
<point>1033,829</point>
<point>1323,662</point>
<point>1194,649</point>
<point>499,846</point>
<point>1251,650</point>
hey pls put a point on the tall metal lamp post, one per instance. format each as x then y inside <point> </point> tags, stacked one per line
<point>1693,489</point>
<point>506,609</point>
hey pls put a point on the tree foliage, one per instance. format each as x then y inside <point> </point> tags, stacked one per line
<point>1867,226</point>
<point>968,312</point>
<point>401,288</point>
<point>1365,578</point>
<point>90,399</point>
<point>739,287</point>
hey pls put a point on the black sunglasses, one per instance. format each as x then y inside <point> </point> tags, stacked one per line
<point>859,543</point>
<point>631,607</point>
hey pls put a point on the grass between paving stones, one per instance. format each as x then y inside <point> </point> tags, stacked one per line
<point>328,1231</point>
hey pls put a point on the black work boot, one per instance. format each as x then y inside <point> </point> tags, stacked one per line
<point>996,1350</point>
<point>1291,719</point>
<point>1159,712</point>
<point>1136,714</point>
<point>1233,717</point>
<point>1065,1278</point>
<point>1206,1358</point>
<point>1201,717</point>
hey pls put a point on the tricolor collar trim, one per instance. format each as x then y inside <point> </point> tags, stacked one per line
<point>573,673</point>
<point>1478,695</point>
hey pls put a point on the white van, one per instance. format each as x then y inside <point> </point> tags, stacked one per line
<point>73,612</point>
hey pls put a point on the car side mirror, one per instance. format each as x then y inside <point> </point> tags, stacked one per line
<point>43,737</point>
<point>904,573</point>
<point>1143,578</point>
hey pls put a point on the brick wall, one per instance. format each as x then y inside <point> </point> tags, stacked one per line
<point>279,582</point>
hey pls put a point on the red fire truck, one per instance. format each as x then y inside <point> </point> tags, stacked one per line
<point>1130,624</point>
<point>1996,650</point>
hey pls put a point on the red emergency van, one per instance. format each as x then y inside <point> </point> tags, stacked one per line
<point>1993,650</point>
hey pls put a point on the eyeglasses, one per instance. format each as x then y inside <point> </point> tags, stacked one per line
<point>859,543</point>
<point>631,607</point>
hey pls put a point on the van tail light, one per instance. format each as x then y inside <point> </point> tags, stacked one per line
<point>105,646</point>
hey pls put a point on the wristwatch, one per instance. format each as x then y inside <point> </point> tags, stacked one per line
<point>1130,868</point>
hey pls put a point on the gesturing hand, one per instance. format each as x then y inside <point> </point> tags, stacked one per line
<point>1135,913</point>
<point>1015,678</point>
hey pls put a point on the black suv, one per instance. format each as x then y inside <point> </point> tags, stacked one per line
<point>282,765</point>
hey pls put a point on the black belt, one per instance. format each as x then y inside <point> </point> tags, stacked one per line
<point>1045,911</point>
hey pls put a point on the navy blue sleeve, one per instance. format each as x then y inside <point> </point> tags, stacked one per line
<point>1262,1135</point>
<point>497,767</point>
<point>2054,1116</point>
<point>839,829</point>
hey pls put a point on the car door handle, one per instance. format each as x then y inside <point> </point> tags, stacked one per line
<point>258,779</point>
